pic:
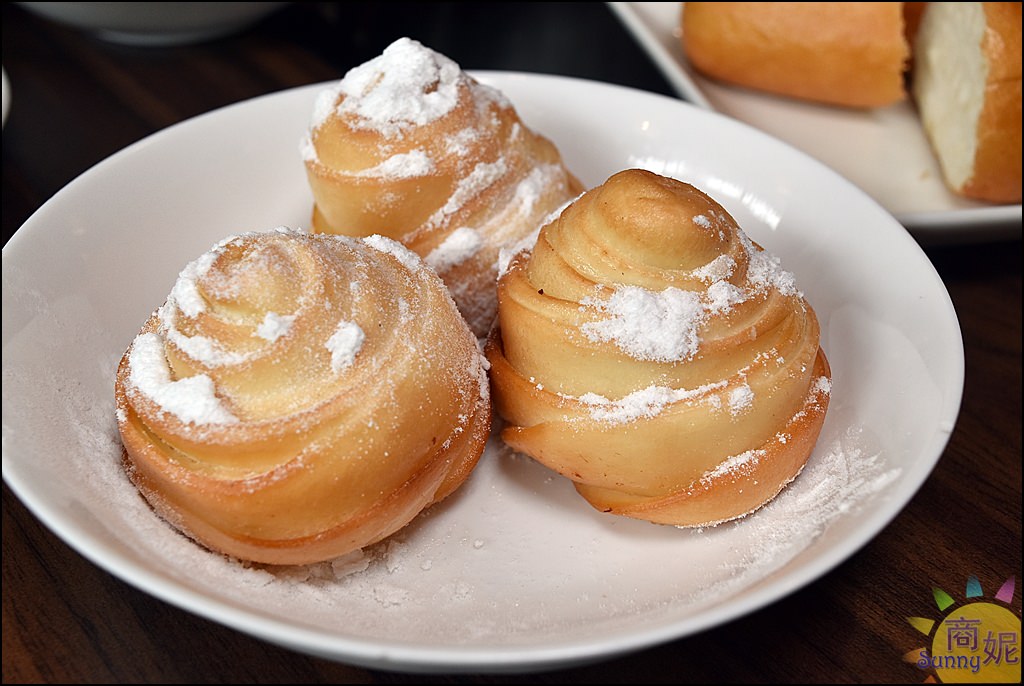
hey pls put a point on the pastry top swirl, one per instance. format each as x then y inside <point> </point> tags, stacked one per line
<point>645,341</point>
<point>409,146</point>
<point>298,396</point>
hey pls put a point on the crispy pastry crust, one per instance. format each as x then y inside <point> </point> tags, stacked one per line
<point>317,456</point>
<point>702,438</point>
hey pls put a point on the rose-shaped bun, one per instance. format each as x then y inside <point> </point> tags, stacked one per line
<point>409,146</point>
<point>653,354</point>
<point>299,396</point>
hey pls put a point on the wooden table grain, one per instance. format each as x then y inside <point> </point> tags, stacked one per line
<point>77,100</point>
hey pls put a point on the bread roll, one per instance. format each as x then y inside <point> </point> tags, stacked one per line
<point>411,147</point>
<point>651,353</point>
<point>300,396</point>
<point>967,87</point>
<point>840,53</point>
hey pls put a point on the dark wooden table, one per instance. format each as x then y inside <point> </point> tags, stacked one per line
<point>77,100</point>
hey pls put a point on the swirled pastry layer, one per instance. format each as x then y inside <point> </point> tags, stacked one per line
<point>648,350</point>
<point>299,396</point>
<point>409,146</point>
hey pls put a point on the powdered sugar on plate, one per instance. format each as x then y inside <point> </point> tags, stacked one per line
<point>434,577</point>
<point>843,475</point>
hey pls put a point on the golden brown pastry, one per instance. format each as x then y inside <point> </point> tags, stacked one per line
<point>299,396</point>
<point>851,54</point>
<point>653,354</point>
<point>409,146</point>
<point>967,87</point>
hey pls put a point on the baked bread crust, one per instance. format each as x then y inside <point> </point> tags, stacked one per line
<point>300,396</point>
<point>852,54</point>
<point>651,353</point>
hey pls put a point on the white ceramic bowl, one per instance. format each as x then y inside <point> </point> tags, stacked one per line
<point>515,571</point>
<point>155,23</point>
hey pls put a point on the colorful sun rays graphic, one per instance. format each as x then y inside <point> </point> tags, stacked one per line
<point>975,642</point>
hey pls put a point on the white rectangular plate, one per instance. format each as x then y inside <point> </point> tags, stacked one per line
<point>884,151</point>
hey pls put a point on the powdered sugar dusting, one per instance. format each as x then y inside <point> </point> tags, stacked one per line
<point>407,85</point>
<point>740,399</point>
<point>186,291</point>
<point>702,221</point>
<point>344,344</point>
<point>715,221</point>
<point>723,295</point>
<point>722,267</point>
<point>838,480</point>
<point>506,253</point>
<point>192,400</point>
<point>459,144</point>
<point>392,247</point>
<point>648,325</point>
<point>645,403</point>
<point>468,187</point>
<point>274,326</point>
<point>401,166</point>
<point>186,300</point>
<point>324,105</point>
<point>459,246</point>
<point>530,189</point>
<point>733,465</point>
<point>307,150</point>
<point>480,366</point>
<point>353,563</point>
<point>664,325</point>
<point>765,270</point>
<point>202,349</point>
